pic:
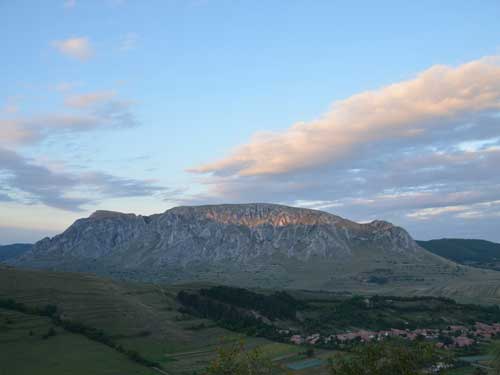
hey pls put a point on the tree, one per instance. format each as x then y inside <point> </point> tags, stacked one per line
<point>235,360</point>
<point>386,358</point>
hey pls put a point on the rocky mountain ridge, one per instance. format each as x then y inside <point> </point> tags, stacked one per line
<point>220,242</point>
<point>207,233</point>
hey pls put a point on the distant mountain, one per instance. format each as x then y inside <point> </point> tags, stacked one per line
<point>479,253</point>
<point>14,250</point>
<point>262,245</point>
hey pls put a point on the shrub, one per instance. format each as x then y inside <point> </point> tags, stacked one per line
<point>234,360</point>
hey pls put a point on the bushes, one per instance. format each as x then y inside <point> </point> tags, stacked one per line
<point>233,308</point>
<point>234,360</point>
<point>279,305</point>
<point>227,316</point>
<point>387,358</point>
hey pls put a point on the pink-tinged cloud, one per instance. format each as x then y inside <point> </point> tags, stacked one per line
<point>77,48</point>
<point>83,112</point>
<point>89,99</point>
<point>403,110</point>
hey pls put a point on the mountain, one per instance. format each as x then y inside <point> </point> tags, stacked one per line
<point>478,253</point>
<point>249,245</point>
<point>13,251</point>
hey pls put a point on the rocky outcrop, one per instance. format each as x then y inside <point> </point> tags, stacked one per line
<point>227,236</point>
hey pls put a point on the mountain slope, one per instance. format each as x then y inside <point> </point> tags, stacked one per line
<point>14,250</point>
<point>479,253</point>
<point>249,245</point>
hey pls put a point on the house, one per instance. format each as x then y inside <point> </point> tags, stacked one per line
<point>313,339</point>
<point>462,341</point>
<point>297,339</point>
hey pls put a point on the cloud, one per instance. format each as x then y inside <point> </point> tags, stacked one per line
<point>64,86</point>
<point>32,183</point>
<point>90,111</point>
<point>89,99</point>
<point>419,152</point>
<point>404,110</point>
<point>77,48</point>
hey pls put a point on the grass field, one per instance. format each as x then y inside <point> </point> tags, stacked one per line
<point>139,317</point>
<point>24,351</point>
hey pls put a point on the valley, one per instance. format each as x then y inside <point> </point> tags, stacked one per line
<point>163,327</point>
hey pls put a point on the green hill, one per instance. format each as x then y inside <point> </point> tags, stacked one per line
<point>479,253</point>
<point>143,318</point>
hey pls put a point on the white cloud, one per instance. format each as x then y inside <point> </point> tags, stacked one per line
<point>482,210</point>
<point>77,48</point>
<point>422,153</point>
<point>40,180</point>
<point>428,213</point>
<point>405,110</point>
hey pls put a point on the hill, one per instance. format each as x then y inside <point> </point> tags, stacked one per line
<point>253,245</point>
<point>138,317</point>
<point>180,327</point>
<point>477,253</point>
<point>14,250</point>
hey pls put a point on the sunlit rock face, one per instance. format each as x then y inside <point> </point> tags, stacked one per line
<point>212,233</point>
<point>228,236</point>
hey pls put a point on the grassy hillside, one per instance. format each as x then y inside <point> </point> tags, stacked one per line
<point>24,350</point>
<point>150,320</point>
<point>139,317</point>
<point>479,253</point>
<point>13,251</point>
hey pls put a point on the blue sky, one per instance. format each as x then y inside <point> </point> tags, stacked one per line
<point>140,106</point>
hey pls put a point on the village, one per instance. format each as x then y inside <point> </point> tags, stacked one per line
<point>454,336</point>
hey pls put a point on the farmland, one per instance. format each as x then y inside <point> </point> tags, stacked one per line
<point>150,320</point>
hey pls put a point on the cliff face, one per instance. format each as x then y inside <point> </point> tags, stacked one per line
<point>226,232</point>
<point>224,240</point>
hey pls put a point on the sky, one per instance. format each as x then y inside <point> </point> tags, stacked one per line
<point>369,110</point>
